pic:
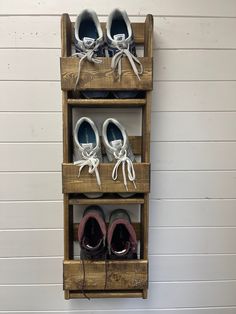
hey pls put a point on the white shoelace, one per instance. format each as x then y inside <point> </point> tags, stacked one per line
<point>92,162</point>
<point>116,63</point>
<point>88,54</point>
<point>123,159</point>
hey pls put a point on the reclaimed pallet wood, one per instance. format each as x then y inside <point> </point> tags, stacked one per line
<point>88,183</point>
<point>105,275</point>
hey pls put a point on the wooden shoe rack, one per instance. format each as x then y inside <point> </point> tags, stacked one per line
<point>125,278</point>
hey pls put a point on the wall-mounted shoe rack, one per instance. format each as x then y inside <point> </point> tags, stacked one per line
<point>125,278</point>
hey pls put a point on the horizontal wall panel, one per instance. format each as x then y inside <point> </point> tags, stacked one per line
<point>170,295</point>
<point>167,96</point>
<point>192,267</point>
<point>31,270</point>
<point>169,32</point>
<point>30,127</point>
<point>190,184</point>
<point>192,213</point>
<point>197,126</point>
<point>20,243</point>
<point>194,96</point>
<point>19,215</point>
<point>193,156</point>
<point>167,7</point>
<point>30,96</point>
<point>200,184</point>
<point>166,126</point>
<point>164,156</point>
<point>23,243</point>
<point>161,268</point>
<point>192,240</point>
<point>30,64</point>
<point>195,65</point>
<point>31,156</point>
<point>174,65</point>
<point>30,186</point>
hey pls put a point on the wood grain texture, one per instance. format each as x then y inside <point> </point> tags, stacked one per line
<point>107,294</point>
<point>112,199</point>
<point>100,76</point>
<point>121,275</point>
<point>88,183</point>
<point>126,103</point>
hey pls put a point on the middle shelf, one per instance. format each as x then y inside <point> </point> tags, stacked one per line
<point>87,182</point>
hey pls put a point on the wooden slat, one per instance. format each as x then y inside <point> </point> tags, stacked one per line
<point>106,294</point>
<point>128,275</point>
<point>65,35</point>
<point>87,182</point>
<point>107,102</point>
<point>137,228</point>
<point>107,200</point>
<point>138,31</point>
<point>100,76</point>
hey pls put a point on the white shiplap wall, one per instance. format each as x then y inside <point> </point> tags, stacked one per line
<point>193,199</point>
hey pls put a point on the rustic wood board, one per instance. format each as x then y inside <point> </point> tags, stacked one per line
<point>87,182</point>
<point>131,274</point>
<point>100,76</point>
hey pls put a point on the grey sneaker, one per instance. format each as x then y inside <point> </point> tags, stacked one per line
<point>92,234</point>
<point>121,236</point>
<point>89,44</point>
<point>118,150</point>
<point>87,149</point>
<point>120,41</point>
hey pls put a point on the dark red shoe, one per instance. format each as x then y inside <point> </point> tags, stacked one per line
<point>121,236</point>
<point>92,234</point>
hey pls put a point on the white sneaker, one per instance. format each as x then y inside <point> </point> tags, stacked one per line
<point>87,149</point>
<point>120,41</point>
<point>89,44</point>
<point>118,150</point>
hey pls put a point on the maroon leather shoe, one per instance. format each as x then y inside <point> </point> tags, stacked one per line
<point>92,234</point>
<point>121,236</point>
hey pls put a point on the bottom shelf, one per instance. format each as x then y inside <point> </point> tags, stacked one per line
<point>105,279</point>
<point>106,294</point>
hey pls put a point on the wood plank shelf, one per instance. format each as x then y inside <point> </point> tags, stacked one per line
<point>106,200</point>
<point>105,275</point>
<point>93,76</point>
<point>87,182</point>
<point>106,294</point>
<point>124,278</point>
<point>103,103</point>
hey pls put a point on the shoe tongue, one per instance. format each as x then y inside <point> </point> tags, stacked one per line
<point>116,143</point>
<point>87,146</point>
<point>88,42</point>
<point>119,37</point>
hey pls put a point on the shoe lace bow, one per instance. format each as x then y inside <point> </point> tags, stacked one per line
<point>116,62</point>
<point>89,159</point>
<point>123,159</point>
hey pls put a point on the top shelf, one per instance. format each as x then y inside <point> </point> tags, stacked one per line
<point>100,76</point>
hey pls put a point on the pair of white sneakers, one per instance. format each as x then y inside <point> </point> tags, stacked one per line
<point>116,42</point>
<point>87,150</point>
